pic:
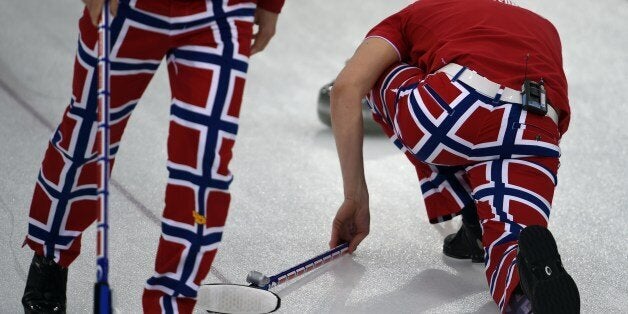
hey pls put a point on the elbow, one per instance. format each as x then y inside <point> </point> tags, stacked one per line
<point>338,91</point>
<point>344,91</point>
<point>345,104</point>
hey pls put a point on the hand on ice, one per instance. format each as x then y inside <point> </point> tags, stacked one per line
<point>351,223</point>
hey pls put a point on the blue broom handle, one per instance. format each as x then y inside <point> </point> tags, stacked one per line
<point>102,297</point>
<point>307,266</point>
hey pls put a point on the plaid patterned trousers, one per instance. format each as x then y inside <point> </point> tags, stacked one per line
<point>206,45</point>
<point>467,147</point>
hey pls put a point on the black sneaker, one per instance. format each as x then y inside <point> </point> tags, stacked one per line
<point>45,287</point>
<point>543,278</point>
<point>465,244</point>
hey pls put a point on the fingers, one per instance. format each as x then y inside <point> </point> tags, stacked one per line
<point>113,7</point>
<point>267,22</point>
<point>353,239</point>
<point>339,232</point>
<point>95,9</point>
<point>335,234</point>
<point>261,40</point>
<point>334,239</point>
<point>357,239</point>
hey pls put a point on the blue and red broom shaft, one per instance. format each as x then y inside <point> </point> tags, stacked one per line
<point>259,280</point>
<point>102,292</point>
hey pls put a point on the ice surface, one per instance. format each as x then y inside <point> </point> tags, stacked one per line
<point>287,182</point>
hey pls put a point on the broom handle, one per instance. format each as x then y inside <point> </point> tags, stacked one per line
<point>102,292</point>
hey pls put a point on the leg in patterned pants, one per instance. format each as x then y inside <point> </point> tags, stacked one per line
<point>207,44</point>
<point>466,148</point>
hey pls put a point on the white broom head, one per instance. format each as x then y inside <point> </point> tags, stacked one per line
<point>226,298</point>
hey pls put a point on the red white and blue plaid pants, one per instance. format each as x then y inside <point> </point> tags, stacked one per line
<point>466,148</point>
<point>206,45</point>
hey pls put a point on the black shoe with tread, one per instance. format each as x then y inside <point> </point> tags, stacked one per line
<point>542,276</point>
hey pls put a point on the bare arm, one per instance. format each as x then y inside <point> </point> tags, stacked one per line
<point>370,60</point>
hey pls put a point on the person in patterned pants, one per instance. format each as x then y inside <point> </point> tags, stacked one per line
<point>443,79</point>
<point>207,44</point>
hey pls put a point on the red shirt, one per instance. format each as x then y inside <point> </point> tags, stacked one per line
<point>489,36</point>
<point>270,5</point>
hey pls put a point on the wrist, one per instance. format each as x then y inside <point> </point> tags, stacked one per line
<point>357,194</point>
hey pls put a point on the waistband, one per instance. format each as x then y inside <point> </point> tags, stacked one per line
<point>489,88</point>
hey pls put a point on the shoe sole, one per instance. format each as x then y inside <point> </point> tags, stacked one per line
<point>556,292</point>
<point>473,259</point>
<point>43,311</point>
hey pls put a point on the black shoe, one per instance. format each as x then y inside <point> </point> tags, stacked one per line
<point>465,244</point>
<point>45,287</point>
<point>543,278</point>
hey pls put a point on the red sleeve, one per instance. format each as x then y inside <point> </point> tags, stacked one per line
<point>391,30</point>
<point>271,5</point>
